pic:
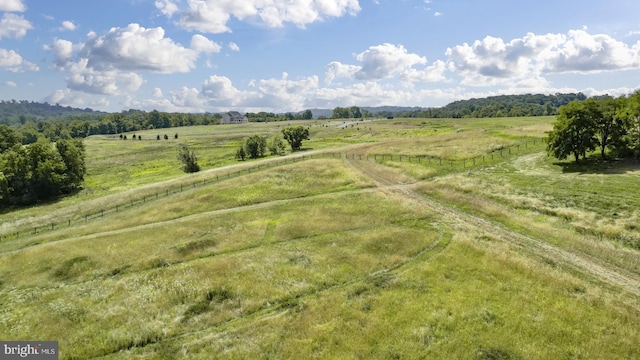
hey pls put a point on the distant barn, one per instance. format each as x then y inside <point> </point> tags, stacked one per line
<point>233,117</point>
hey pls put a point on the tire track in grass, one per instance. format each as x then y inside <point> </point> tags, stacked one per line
<point>583,263</point>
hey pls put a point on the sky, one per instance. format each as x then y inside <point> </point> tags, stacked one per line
<point>292,55</point>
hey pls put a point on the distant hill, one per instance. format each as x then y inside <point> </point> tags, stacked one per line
<point>502,106</point>
<point>493,106</point>
<point>14,112</point>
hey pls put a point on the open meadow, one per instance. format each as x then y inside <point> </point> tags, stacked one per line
<point>385,239</point>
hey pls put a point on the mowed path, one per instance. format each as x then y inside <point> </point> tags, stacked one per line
<point>388,180</point>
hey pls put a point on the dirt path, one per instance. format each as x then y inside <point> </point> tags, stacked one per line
<point>610,274</point>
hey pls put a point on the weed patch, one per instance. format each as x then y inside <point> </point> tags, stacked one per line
<point>72,268</point>
<point>208,302</point>
<point>195,246</point>
<point>119,270</point>
<point>158,263</point>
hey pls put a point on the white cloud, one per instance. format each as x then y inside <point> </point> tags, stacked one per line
<point>107,82</point>
<point>10,58</point>
<point>200,43</point>
<point>213,15</point>
<point>157,93</point>
<point>14,26</point>
<point>12,5</point>
<point>13,62</point>
<point>438,13</point>
<point>283,93</point>
<point>433,73</point>
<point>583,52</point>
<point>220,91</point>
<point>63,52</point>
<point>187,98</point>
<point>166,7</point>
<point>110,64</point>
<point>10,84</point>
<point>492,61</point>
<point>233,46</point>
<point>386,60</point>
<point>76,99</point>
<point>68,25</point>
<point>136,48</point>
<point>336,69</point>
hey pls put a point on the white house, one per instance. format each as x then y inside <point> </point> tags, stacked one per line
<point>233,117</point>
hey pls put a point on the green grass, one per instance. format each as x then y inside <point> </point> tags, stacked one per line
<point>330,257</point>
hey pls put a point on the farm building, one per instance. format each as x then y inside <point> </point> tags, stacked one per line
<point>233,117</point>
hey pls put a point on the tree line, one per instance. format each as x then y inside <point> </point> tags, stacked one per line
<point>496,106</point>
<point>606,124</point>
<point>40,171</point>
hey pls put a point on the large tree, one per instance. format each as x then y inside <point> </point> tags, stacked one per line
<point>47,170</point>
<point>340,113</point>
<point>255,146</point>
<point>574,132</point>
<point>40,171</point>
<point>72,154</point>
<point>294,136</point>
<point>276,145</point>
<point>631,116</point>
<point>8,138</point>
<point>355,113</point>
<point>609,124</point>
<point>307,115</point>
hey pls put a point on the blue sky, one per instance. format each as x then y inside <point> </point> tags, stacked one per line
<point>291,55</point>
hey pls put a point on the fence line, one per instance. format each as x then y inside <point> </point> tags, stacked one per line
<point>423,159</point>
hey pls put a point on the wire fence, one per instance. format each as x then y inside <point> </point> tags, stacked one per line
<point>146,196</point>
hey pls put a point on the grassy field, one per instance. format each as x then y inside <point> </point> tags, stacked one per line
<point>394,239</point>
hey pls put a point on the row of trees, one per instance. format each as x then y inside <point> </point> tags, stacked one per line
<point>40,171</point>
<point>264,116</point>
<point>611,125</point>
<point>82,123</point>
<point>353,112</point>
<point>256,146</point>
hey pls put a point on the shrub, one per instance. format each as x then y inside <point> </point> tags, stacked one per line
<point>189,160</point>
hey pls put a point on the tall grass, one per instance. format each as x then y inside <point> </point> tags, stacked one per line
<point>312,260</point>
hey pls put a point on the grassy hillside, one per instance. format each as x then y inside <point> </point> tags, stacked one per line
<point>406,238</point>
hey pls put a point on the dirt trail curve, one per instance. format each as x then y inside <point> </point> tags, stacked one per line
<point>608,273</point>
